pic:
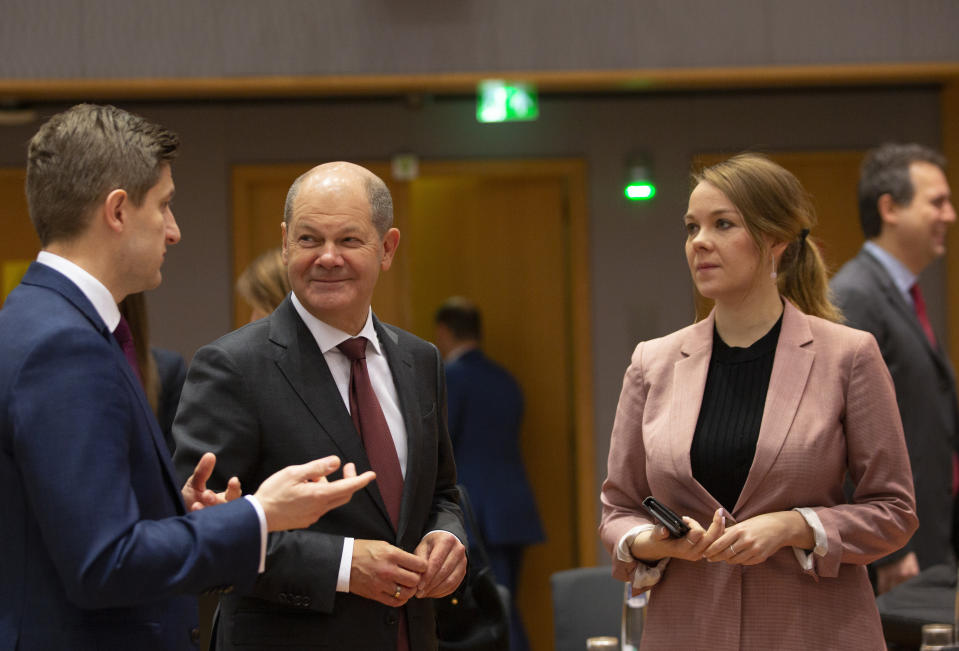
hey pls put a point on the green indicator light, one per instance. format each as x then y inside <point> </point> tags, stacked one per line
<point>501,101</point>
<point>640,191</point>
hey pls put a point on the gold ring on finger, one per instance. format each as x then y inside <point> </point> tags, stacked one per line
<point>396,593</point>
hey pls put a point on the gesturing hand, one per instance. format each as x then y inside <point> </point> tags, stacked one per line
<point>297,496</point>
<point>195,493</point>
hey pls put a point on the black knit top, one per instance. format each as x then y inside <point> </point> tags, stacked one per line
<point>728,427</point>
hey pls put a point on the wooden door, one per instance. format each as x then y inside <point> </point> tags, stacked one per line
<point>19,244</point>
<point>512,236</point>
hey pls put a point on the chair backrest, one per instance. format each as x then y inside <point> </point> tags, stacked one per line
<point>587,602</point>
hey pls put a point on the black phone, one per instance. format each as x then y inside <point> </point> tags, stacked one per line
<point>666,517</point>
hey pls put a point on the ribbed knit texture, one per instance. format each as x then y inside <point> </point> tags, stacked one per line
<point>728,427</point>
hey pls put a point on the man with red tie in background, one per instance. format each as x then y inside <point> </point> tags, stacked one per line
<point>905,209</point>
<point>322,375</point>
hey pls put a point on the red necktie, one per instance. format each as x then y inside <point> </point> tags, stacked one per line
<point>125,338</point>
<point>373,429</point>
<point>370,422</point>
<point>920,306</point>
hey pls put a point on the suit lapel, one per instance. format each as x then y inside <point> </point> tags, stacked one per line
<point>301,362</point>
<point>689,383</point>
<point>159,444</point>
<point>894,298</point>
<point>404,379</point>
<point>787,383</point>
<point>43,276</point>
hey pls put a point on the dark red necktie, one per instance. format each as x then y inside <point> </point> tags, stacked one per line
<point>374,431</point>
<point>920,306</point>
<point>125,338</point>
<point>370,422</point>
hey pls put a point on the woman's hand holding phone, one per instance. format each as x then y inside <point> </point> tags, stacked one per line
<point>655,544</point>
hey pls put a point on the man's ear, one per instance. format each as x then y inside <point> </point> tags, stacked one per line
<point>887,208</point>
<point>284,249</point>
<point>113,210</point>
<point>390,242</point>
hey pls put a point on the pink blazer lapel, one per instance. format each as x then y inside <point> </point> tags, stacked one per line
<point>689,384</point>
<point>787,384</point>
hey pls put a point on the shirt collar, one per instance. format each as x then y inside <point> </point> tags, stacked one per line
<point>95,291</point>
<point>327,337</point>
<point>900,274</point>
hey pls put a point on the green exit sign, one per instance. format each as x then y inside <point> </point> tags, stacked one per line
<point>506,101</point>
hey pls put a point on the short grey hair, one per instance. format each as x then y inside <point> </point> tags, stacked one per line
<point>381,202</point>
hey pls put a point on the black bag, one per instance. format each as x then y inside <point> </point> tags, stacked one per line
<point>475,618</point>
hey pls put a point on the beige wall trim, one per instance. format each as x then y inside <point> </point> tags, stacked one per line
<point>455,83</point>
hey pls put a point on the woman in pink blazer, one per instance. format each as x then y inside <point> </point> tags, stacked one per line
<point>747,423</point>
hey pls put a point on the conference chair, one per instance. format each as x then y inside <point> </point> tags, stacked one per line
<point>587,602</point>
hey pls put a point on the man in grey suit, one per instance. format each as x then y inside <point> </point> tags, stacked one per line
<point>281,389</point>
<point>905,209</point>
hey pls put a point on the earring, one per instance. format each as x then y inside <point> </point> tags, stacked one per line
<point>773,273</point>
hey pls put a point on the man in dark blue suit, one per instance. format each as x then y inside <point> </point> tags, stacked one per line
<point>485,411</point>
<point>98,549</point>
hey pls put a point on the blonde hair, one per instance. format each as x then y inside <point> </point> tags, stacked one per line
<point>774,204</point>
<point>264,284</point>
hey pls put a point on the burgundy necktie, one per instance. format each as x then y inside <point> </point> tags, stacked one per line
<point>125,338</point>
<point>370,422</point>
<point>920,306</point>
<point>374,431</point>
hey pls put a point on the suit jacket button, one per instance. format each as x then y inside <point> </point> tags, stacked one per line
<point>306,602</point>
<point>392,619</point>
<point>284,597</point>
<point>195,635</point>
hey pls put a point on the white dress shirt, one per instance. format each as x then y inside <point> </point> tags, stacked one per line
<point>327,339</point>
<point>902,278</point>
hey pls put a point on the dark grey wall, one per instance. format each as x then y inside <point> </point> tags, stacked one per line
<point>640,285</point>
<point>227,38</point>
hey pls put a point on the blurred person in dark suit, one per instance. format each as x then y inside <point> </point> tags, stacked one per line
<point>485,413</point>
<point>905,208</point>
